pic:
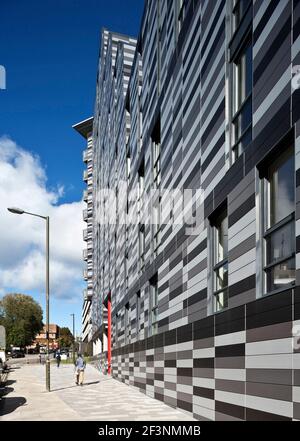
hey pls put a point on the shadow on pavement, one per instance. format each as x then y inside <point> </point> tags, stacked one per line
<point>63,388</point>
<point>93,382</point>
<point>10,382</point>
<point>72,387</point>
<point>9,405</point>
<point>6,391</point>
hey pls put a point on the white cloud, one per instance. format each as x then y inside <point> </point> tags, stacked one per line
<point>23,183</point>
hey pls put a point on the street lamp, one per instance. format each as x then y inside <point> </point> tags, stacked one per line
<point>46,218</point>
<point>73,315</point>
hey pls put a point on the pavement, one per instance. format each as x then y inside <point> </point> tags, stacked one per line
<point>101,398</point>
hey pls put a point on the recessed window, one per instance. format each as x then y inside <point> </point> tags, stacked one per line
<point>241,114</point>
<point>153,322</point>
<point>220,260</point>
<point>156,230</point>
<point>181,8</point>
<point>128,166</point>
<point>126,268</point>
<point>142,246</point>
<point>156,203</point>
<point>127,324</point>
<point>138,314</point>
<point>156,164</point>
<point>238,12</point>
<point>279,223</point>
<point>141,178</point>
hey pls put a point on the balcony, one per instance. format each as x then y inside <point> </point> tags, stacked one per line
<point>88,233</point>
<point>88,253</point>
<point>85,156</point>
<point>85,175</point>
<point>85,195</point>
<point>85,215</point>
<point>87,295</point>
<point>87,274</point>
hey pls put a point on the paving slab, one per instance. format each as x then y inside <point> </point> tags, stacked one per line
<point>101,398</point>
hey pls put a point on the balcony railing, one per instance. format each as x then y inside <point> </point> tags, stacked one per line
<point>87,155</point>
<point>87,295</point>
<point>87,274</point>
<point>85,175</point>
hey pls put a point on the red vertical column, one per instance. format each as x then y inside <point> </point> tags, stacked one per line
<point>109,335</point>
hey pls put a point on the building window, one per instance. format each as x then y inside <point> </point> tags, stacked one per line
<point>126,267</point>
<point>128,166</point>
<point>142,246</point>
<point>153,307</point>
<point>239,8</point>
<point>156,203</point>
<point>156,231</point>
<point>181,7</point>
<point>220,261</point>
<point>127,324</point>
<point>156,164</point>
<point>141,189</point>
<point>138,314</point>
<point>241,115</point>
<point>279,223</point>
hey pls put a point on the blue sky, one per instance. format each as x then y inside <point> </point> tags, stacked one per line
<point>50,52</point>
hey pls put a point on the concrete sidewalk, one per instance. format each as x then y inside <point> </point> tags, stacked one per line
<point>100,399</point>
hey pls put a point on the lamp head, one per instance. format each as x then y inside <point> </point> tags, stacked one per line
<point>16,210</point>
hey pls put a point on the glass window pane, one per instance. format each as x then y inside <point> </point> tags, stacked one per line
<point>154,299</point>
<point>281,275</point>
<point>221,275</point>
<point>154,315</point>
<point>221,301</point>
<point>281,243</point>
<point>155,329</point>
<point>242,77</point>
<point>246,116</point>
<point>282,190</point>
<point>246,139</point>
<point>248,70</point>
<point>222,240</point>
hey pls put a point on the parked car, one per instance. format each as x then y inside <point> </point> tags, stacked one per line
<point>17,354</point>
<point>3,359</point>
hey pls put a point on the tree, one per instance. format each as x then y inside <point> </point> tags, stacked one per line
<point>22,318</point>
<point>66,338</point>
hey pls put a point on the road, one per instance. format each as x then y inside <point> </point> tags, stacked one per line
<point>100,399</point>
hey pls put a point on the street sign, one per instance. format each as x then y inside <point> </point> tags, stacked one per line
<point>2,337</point>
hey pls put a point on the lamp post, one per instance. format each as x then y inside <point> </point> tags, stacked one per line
<point>47,219</point>
<point>73,315</point>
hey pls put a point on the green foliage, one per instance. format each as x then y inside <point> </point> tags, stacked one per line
<point>65,338</point>
<point>22,317</point>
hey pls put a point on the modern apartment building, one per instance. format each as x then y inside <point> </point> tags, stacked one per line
<point>196,267</point>
<point>85,128</point>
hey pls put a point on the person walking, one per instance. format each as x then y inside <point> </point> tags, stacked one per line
<point>79,370</point>
<point>58,359</point>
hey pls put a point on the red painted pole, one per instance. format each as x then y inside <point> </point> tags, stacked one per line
<point>109,335</point>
